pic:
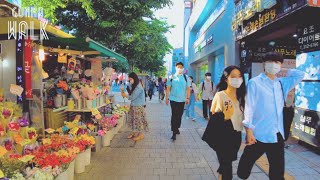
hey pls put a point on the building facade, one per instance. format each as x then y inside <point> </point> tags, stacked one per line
<point>209,40</point>
<point>177,56</point>
<point>291,28</point>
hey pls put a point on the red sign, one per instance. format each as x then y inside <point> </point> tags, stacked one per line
<point>314,3</point>
<point>27,67</point>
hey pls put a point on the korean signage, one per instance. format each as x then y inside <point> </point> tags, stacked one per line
<point>309,38</point>
<point>306,126</point>
<point>27,67</point>
<point>203,43</point>
<point>258,22</point>
<point>251,15</point>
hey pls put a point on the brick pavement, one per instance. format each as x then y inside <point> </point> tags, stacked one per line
<point>157,157</point>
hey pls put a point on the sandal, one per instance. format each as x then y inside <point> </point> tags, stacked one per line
<point>141,136</point>
<point>131,135</point>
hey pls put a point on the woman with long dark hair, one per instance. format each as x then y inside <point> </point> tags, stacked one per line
<point>229,100</point>
<point>137,114</point>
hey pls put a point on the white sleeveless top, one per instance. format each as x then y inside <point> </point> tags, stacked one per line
<point>222,103</point>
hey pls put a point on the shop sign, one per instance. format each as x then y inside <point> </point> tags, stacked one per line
<point>286,52</point>
<point>305,126</point>
<point>258,22</point>
<point>309,38</point>
<point>203,44</point>
<point>27,67</point>
<point>315,3</point>
<point>247,21</point>
<point>19,67</point>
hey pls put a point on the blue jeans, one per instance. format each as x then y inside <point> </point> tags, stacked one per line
<point>190,107</point>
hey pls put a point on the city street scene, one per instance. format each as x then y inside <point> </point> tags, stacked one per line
<point>160,90</point>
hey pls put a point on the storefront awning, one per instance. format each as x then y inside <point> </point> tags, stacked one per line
<point>50,29</point>
<point>104,50</point>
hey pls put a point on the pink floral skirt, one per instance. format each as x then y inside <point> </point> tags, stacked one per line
<point>137,119</point>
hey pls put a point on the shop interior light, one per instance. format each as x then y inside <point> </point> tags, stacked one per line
<point>41,53</point>
<point>295,36</point>
<point>272,43</point>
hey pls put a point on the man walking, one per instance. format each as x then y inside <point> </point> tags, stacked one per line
<point>178,92</point>
<point>264,117</point>
<point>207,89</point>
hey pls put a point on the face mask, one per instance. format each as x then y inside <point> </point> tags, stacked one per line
<point>272,68</point>
<point>190,80</point>
<point>179,71</point>
<point>236,82</point>
<point>209,77</point>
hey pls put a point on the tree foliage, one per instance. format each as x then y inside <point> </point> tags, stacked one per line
<point>126,26</point>
<point>162,72</point>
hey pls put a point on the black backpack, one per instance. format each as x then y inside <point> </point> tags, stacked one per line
<point>203,85</point>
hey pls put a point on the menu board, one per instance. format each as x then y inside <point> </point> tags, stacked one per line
<point>305,126</point>
<point>309,38</point>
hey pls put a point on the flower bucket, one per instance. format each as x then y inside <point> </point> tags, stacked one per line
<point>106,139</point>
<point>79,166</point>
<point>94,103</point>
<point>71,170</point>
<point>87,156</point>
<point>98,144</point>
<point>68,173</point>
<point>89,104</point>
<point>63,176</point>
<point>102,100</point>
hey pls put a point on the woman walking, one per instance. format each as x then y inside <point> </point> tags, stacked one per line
<point>193,99</point>
<point>161,89</point>
<point>229,100</point>
<point>137,114</point>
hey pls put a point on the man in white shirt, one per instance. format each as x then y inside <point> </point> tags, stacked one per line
<point>264,117</point>
<point>207,89</point>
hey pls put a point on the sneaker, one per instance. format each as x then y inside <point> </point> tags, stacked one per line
<point>173,137</point>
<point>193,119</point>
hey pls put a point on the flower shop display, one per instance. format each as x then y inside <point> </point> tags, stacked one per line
<point>60,152</point>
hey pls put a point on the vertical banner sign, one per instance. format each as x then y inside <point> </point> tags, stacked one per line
<point>19,67</point>
<point>27,67</point>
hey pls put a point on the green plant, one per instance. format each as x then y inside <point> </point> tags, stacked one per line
<point>10,167</point>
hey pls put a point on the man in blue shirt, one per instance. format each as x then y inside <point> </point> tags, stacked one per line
<point>178,92</point>
<point>264,117</point>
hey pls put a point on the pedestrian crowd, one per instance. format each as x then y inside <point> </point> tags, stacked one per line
<point>230,106</point>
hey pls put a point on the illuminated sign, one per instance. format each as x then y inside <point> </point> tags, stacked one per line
<point>309,38</point>
<point>315,3</point>
<point>258,22</point>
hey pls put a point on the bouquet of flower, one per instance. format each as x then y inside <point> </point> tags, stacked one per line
<point>11,166</point>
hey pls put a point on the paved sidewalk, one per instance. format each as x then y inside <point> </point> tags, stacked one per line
<point>157,157</point>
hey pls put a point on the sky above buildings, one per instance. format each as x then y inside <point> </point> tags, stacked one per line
<point>174,16</point>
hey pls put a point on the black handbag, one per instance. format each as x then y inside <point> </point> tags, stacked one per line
<point>288,113</point>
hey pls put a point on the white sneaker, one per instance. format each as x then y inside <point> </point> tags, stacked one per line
<point>193,119</point>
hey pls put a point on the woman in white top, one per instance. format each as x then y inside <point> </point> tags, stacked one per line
<point>193,99</point>
<point>230,100</point>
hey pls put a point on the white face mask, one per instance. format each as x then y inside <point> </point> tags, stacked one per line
<point>272,68</point>
<point>236,82</point>
<point>209,77</point>
<point>179,71</point>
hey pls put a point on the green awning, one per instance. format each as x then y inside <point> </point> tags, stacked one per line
<point>104,50</point>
